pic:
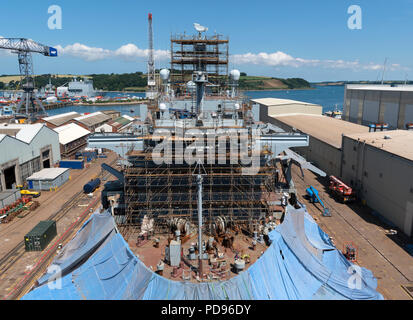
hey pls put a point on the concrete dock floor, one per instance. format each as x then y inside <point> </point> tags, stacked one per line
<point>353,223</point>
<point>11,234</point>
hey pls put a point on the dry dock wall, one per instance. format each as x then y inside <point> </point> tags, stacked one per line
<point>383,179</point>
<point>321,154</point>
<point>325,133</point>
<point>381,176</point>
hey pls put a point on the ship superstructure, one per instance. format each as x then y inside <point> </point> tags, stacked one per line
<point>77,88</point>
<point>201,162</point>
<point>207,206</point>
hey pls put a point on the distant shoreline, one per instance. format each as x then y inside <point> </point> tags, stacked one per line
<point>81,104</point>
<point>120,91</point>
<point>273,89</point>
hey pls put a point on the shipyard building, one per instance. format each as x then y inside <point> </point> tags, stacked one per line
<point>371,104</point>
<point>325,134</point>
<point>30,148</point>
<point>116,125</point>
<point>72,138</point>
<point>59,119</point>
<point>112,113</point>
<point>92,121</point>
<point>376,164</point>
<point>271,107</point>
<point>379,165</point>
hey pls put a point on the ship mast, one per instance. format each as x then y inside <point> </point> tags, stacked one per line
<point>150,94</point>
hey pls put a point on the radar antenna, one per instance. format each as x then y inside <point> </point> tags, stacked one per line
<point>200,29</point>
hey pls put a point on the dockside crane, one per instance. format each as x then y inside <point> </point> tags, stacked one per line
<point>24,48</point>
<point>150,94</point>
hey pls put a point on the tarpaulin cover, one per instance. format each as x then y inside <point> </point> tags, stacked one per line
<point>300,263</point>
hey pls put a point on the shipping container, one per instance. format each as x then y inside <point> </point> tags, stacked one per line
<point>89,155</point>
<point>40,236</point>
<point>72,164</point>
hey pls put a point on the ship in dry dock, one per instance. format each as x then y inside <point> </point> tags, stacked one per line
<point>204,205</point>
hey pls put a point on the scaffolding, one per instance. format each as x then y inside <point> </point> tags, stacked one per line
<point>168,191</point>
<point>194,53</point>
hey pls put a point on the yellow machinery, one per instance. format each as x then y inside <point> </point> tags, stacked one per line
<point>34,194</point>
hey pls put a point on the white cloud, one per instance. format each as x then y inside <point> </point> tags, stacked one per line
<point>127,52</point>
<point>279,58</point>
<point>131,52</point>
<point>270,59</point>
<point>84,52</point>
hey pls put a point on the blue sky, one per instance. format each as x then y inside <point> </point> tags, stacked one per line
<point>295,38</point>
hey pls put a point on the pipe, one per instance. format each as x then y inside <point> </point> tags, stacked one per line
<point>199,182</point>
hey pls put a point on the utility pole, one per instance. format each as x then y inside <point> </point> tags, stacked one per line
<point>384,71</point>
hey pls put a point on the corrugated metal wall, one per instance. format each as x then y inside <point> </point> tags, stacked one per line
<point>55,183</point>
<point>380,178</point>
<point>376,106</point>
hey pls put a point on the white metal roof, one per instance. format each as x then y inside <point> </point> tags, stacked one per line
<point>128,117</point>
<point>47,174</point>
<point>105,126</point>
<point>279,102</point>
<point>93,118</point>
<point>379,87</point>
<point>61,115</point>
<point>70,132</point>
<point>60,119</point>
<point>85,116</point>
<point>26,132</point>
<point>398,142</point>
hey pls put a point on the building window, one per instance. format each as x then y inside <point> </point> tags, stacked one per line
<point>25,170</point>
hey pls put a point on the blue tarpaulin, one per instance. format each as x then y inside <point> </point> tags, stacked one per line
<point>300,263</point>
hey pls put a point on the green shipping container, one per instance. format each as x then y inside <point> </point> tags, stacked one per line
<point>40,236</point>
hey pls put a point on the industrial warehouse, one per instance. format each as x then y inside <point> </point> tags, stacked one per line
<point>205,194</point>
<point>72,138</point>
<point>92,121</point>
<point>59,119</point>
<point>30,148</point>
<point>330,150</point>
<point>369,159</point>
<point>379,104</point>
